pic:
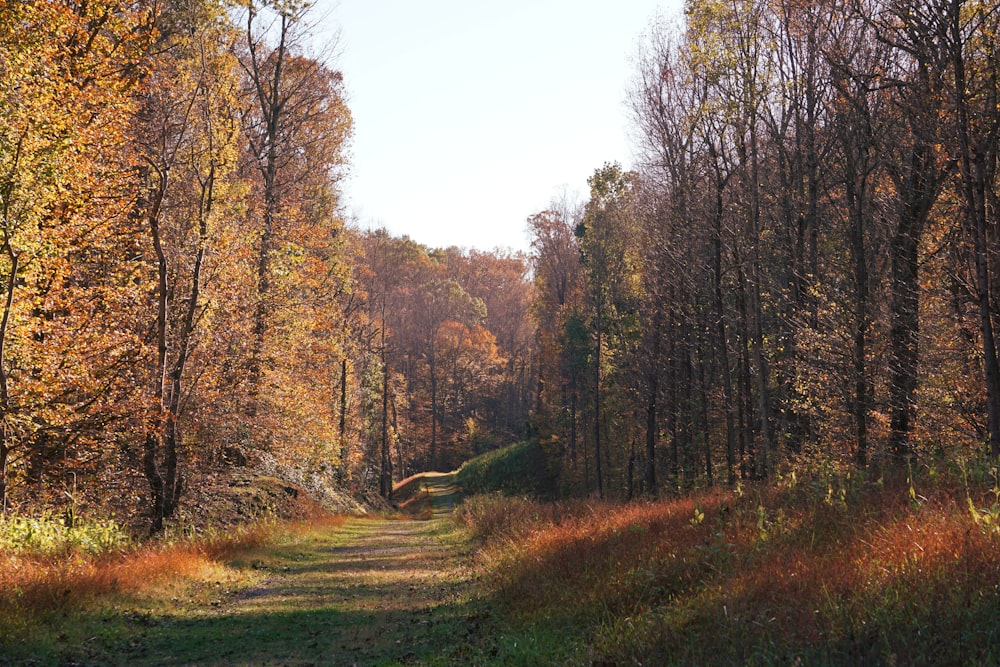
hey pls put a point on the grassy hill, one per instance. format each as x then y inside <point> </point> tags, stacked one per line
<point>523,468</point>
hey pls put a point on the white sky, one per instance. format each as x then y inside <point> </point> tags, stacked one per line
<point>471,116</point>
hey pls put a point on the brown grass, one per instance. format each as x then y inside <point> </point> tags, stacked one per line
<point>755,576</point>
<point>34,586</point>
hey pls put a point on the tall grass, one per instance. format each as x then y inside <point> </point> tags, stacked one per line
<point>771,576</point>
<point>40,576</point>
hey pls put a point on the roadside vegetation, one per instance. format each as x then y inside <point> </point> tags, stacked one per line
<point>820,567</point>
<point>815,569</point>
<point>67,588</point>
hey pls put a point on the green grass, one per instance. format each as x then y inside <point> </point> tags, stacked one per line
<point>523,468</point>
<point>367,592</point>
<point>780,574</point>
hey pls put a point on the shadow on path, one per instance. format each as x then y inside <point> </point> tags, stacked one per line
<point>372,592</point>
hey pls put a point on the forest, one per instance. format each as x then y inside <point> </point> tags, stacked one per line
<point>747,388</point>
<point>180,287</point>
<point>801,270</point>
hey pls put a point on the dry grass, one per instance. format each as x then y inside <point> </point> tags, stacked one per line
<point>762,577</point>
<point>34,586</point>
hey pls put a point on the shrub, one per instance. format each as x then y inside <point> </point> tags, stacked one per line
<point>49,535</point>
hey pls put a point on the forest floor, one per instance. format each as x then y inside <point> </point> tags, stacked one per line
<point>365,592</point>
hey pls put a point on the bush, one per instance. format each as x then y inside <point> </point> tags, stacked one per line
<point>48,535</point>
<point>495,516</point>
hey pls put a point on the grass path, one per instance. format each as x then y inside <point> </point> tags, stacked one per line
<point>369,592</point>
<point>443,493</point>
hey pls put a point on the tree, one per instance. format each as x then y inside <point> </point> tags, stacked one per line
<point>187,132</point>
<point>388,263</point>
<point>679,170</point>
<point>68,68</point>
<point>500,280</point>
<point>297,129</point>
<point>605,234</point>
<point>440,301</point>
<point>970,29</point>
<point>858,129</point>
<point>470,365</point>
<point>918,170</point>
<point>556,268</point>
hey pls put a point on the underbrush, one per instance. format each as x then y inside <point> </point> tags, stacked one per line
<point>48,570</point>
<point>794,573</point>
<point>51,534</point>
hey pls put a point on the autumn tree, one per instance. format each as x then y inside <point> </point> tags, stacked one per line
<point>971,50</point>
<point>470,365</point>
<point>387,265</point>
<point>187,131</point>
<point>500,279</point>
<point>440,301</point>
<point>918,169</point>
<point>297,127</point>
<point>683,181</point>
<point>607,238</point>
<point>65,242</point>
<point>858,125</point>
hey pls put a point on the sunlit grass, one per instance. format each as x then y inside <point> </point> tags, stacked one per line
<point>762,577</point>
<point>51,534</point>
<point>65,572</point>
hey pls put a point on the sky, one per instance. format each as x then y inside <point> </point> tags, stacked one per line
<point>471,116</point>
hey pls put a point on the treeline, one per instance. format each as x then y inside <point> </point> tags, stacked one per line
<point>805,264</point>
<point>445,366</point>
<point>170,255</point>
<point>178,288</point>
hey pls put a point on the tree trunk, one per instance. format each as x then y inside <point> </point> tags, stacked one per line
<point>434,418</point>
<point>597,402</point>
<point>342,417</point>
<point>652,427</point>
<point>703,411</point>
<point>974,157</point>
<point>672,400</point>
<point>385,467</point>
<point>756,311</point>
<point>158,417</point>
<point>904,332</point>
<point>630,471</point>
<point>151,445</point>
<point>760,362</point>
<point>5,439</point>
<point>269,98</point>
<point>573,392</point>
<point>4,456</point>
<point>861,399</point>
<point>722,343</point>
